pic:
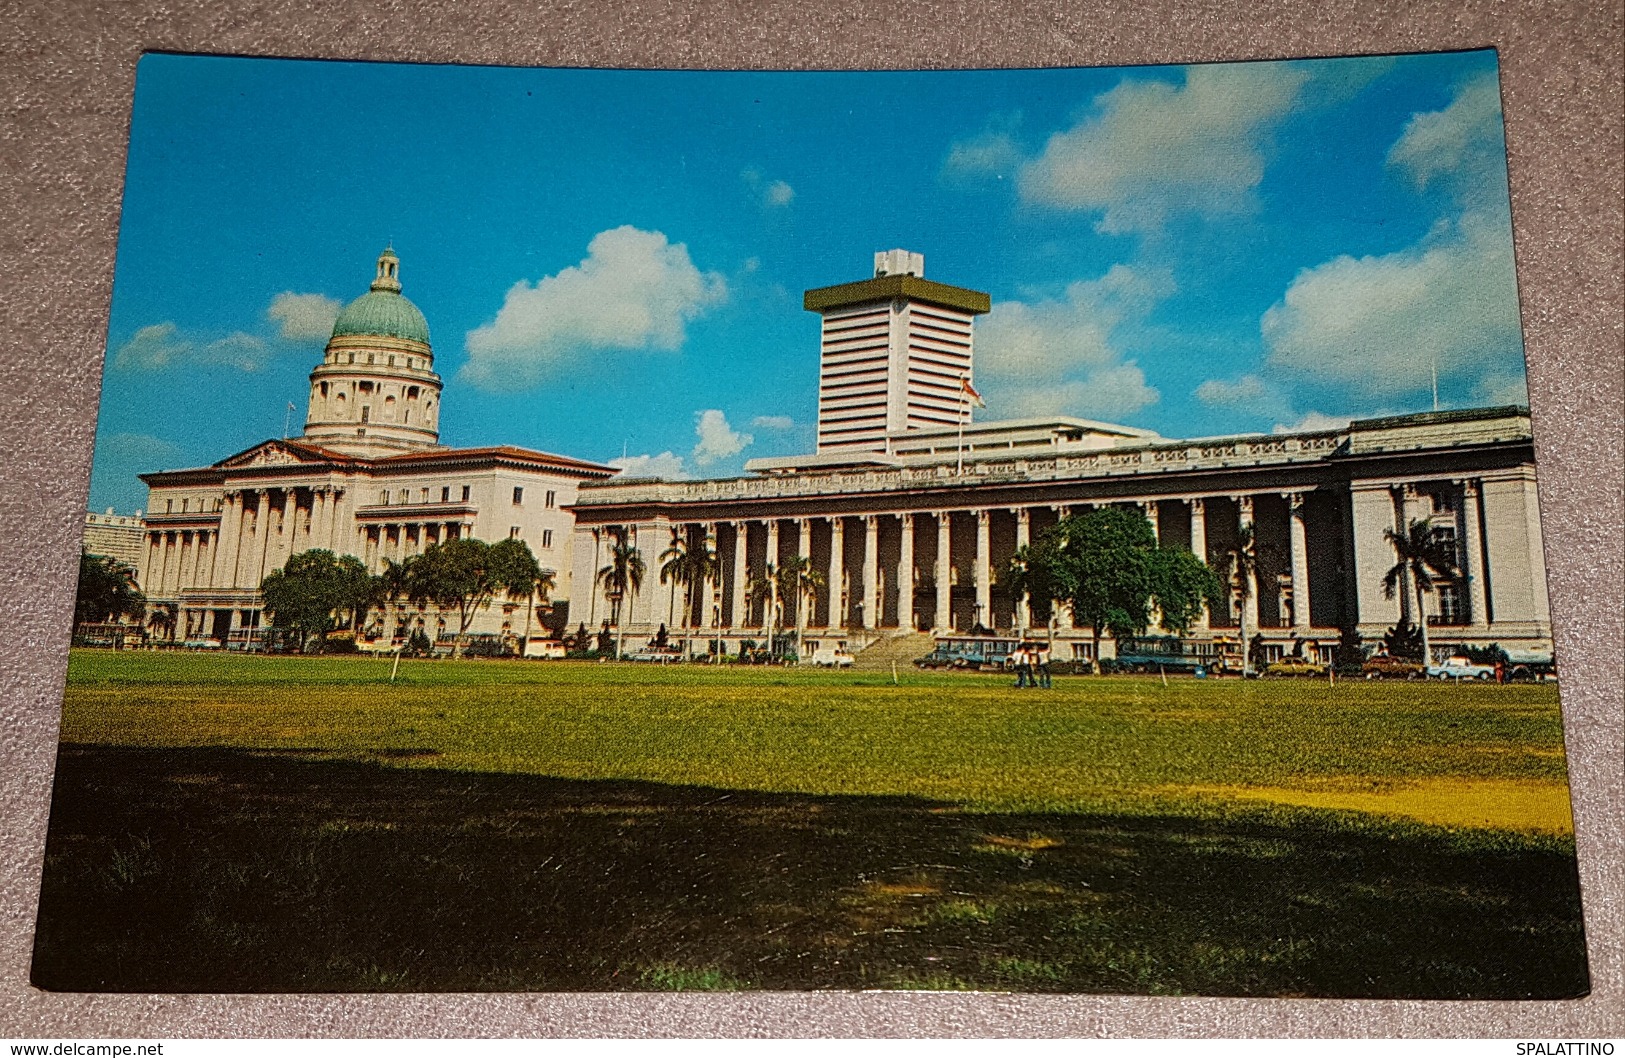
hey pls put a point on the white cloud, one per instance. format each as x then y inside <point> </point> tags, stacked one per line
<point>1313,421</point>
<point>1059,356</point>
<point>1248,390</point>
<point>140,448</point>
<point>717,440</point>
<point>1463,141</point>
<point>1378,324</point>
<point>161,346</point>
<point>303,317</point>
<point>1497,390</point>
<point>991,152</point>
<point>779,193</point>
<point>774,193</point>
<point>633,290</point>
<point>666,465</point>
<point>1149,149</point>
<point>773,422</point>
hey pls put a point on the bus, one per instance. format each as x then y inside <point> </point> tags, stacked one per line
<point>969,652</point>
<point>1217,656</point>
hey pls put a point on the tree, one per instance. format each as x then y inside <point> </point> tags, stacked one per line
<point>688,565</point>
<point>1108,566</point>
<point>1426,555</point>
<point>311,589</point>
<point>162,618</point>
<point>764,586</point>
<point>1404,640</point>
<point>465,575</point>
<point>391,587</point>
<point>107,591</point>
<point>798,580</point>
<point>1239,569</point>
<point>621,576</point>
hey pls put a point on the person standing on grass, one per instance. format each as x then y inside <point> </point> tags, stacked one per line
<point>1041,656</point>
<point>1024,666</point>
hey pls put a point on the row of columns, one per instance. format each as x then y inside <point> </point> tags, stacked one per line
<point>869,600</point>
<point>398,541</point>
<point>257,532</point>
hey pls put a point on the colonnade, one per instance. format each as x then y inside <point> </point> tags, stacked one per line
<point>927,570</point>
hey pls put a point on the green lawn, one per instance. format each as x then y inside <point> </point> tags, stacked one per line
<point>569,826</point>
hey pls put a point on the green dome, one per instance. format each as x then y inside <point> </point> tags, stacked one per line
<point>382,313</point>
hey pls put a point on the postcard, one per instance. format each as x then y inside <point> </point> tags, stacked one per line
<point>1067,530</point>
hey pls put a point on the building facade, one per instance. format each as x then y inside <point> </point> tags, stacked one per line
<point>368,478</point>
<point>120,536</point>
<point>911,534</point>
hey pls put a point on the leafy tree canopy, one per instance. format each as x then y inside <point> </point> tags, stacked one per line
<point>1108,567</point>
<point>107,591</point>
<point>312,588</point>
<point>465,575</point>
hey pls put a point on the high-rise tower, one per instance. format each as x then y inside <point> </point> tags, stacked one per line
<point>896,354</point>
<point>375,392</point>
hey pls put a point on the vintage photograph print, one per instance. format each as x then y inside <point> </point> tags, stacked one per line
<point>1037,531</point>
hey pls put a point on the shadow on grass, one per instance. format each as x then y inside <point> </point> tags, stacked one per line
<point>220,870</point>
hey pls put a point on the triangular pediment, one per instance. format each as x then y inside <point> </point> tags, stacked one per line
<point>276,454</point>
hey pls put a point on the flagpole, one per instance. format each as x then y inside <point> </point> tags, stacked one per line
<point>964,413</point>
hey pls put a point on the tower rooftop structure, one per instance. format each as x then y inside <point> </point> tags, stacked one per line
<point>896,354</point>
<point>376,393</point>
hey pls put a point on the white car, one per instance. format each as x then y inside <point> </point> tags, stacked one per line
<point>1460,667</point>
<point>831,658</point>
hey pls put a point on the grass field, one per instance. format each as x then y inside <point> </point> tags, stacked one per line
<point>231,823</point>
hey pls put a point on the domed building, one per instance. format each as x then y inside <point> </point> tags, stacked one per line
<point>367,477</point>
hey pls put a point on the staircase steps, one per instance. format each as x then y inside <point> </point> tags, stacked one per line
<point>902,648</point>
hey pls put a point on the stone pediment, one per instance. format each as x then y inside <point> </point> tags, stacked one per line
<point>274,454</point>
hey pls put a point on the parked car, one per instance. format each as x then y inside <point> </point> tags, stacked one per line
<point>831,658</point>
<point>1460,667</point>
<point>1388,667</point>
<point>1294,666</point>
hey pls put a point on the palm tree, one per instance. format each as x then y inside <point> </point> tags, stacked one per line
<point>1426,554</point>
<point>801,582</point>
<point>690,565</point>
<point>765,586</point>
<point>1238,568</point>
<point>391,587</point>
<point>539,589</point>
<point>162,619</point>
<point>621,576</point>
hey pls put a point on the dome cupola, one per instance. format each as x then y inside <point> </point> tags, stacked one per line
<point>375,392</point>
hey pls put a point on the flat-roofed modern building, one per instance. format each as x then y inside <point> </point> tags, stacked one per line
<point>911,527</point>
<point>120,536</point>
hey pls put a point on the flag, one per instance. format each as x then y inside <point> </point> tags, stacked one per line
<point>970,391</point>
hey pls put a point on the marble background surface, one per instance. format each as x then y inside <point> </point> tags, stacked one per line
<point>65,85</point>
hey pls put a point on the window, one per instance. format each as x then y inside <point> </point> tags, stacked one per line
<point>513,532</point>
<point>423,494</point>
<point>369,358</point>
<point>518,495</point>
<point>383,497</point>
<point>406,495</point>
<point>445,494</point>
<point>551,497</point>
<point>392,361</point>
<point>169,506</point>
<point>465,493</point>
<point>366,413</point>
<point>1449,604</point>
<point>352,358</point>
<point>547,538</point>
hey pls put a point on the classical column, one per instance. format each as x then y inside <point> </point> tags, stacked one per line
<point>1472,511</point>
<point>770,568</point>
<point>1024,609</point>
<point>945,572</point>
<point>905,576</point>
<point>166,548</point>
<point>984,570</point>
<point>1249,605</point>
<point>837,572</point>
<point>804,552</point>
<point>255,572</point>
<point>1152,515</point>
<point>318,519</point>
<point>741,540</point>
<point>1298,524</point>
<point>871,571</point>
<point>1199,549</point>
<point>223,541</point>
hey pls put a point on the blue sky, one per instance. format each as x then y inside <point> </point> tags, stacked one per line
<point>612,263</point>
